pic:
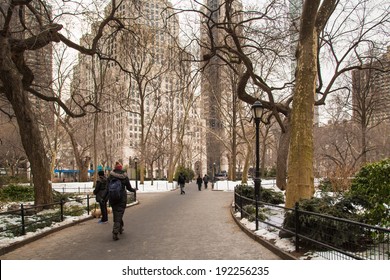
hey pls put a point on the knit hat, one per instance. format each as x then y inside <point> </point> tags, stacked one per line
<point>118,166</point>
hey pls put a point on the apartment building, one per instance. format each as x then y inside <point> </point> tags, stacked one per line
<point>371,91</point>
<point>217,89</point>
<point>141,90</point>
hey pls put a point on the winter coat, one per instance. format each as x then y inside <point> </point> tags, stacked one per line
<point>199,181</point>
<point>101,189</point>
<point>122,176</point>
<point>181,180</point>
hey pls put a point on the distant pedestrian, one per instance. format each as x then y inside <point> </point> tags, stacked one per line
<point>181,180</point>
<point>102,196</point>
<point>205,180</point>
<point>118,199</point>
<point>199,182</point>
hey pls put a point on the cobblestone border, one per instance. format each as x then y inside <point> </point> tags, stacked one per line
<point>284,255</point>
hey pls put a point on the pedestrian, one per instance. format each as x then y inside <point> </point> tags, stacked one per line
<point>102,196</point>
<point>181,180</point>
<point>118,199</point>
<point>199,182</point>
<point>205,180</point>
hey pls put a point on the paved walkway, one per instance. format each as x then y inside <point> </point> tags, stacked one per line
<point>164,226</point>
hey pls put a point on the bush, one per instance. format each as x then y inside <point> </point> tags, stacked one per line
<point>266,195</point>
<point>12,180</point>
<point>325,230</point>
<point>17,193</point>
<point>188,173</point>
<point>371,189</point>
<point>250,211</point>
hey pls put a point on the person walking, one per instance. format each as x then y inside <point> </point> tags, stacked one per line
<point>118,183</point>
<point>205,180</point>
<point>102,196</point>
<point>199,182</point>
<point>181,180</point>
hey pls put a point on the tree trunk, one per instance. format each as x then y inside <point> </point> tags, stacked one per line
<point>281,160</point>
<point>245,170</point>
<point>95,160</point>
<point>28,126</point>
<point>364,145</point>
<point>300,158</point>
<point>84,166</point>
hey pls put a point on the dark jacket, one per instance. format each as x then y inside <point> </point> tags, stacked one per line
<point>119,206</point>
<point>181,179</point>
<point>199,181</point>
<point>101,189</point>
<point>122,176</point>
<point>206,179</point>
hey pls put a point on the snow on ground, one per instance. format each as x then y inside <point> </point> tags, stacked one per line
<point>265,231</point>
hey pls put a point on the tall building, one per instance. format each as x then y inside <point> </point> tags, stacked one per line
<point>142,101</point>
<point>216,88</point>
<point>371,91</point>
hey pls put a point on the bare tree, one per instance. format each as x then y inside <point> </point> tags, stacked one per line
<point>11,149</point>
<point>328,29</point>
<point>28,26</point>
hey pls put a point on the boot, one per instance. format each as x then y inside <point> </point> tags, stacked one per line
<point>115,236</point>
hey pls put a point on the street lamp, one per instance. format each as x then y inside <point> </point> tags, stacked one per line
<point>212,186</point>
<point>136,173</point>
<point>257,112</point>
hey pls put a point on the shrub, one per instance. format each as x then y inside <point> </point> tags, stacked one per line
<point>325,186</point>
<point>266,195</point>
<point>12,180</point>
<point>250,211</point>
<point>188,173</point>
<point>326,230</point>
<point>17,193</point>
<point>74,210</point>
<point>371,189</point>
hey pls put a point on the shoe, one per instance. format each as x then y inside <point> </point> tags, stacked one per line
<point>101,222</point>
<point>115,236</point>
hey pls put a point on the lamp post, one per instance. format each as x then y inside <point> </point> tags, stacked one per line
<point>257,112</point>
<point>136,173</point>
<point>212,185</point>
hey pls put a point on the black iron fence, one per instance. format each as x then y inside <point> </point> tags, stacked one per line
<point>329,237</point>
<point>27,218</point>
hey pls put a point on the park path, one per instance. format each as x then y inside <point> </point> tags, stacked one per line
<point>164,226</point>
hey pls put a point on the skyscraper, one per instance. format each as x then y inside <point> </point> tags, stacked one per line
<point>371,91</point>
<point>142,94</point>
<point>216,86</point>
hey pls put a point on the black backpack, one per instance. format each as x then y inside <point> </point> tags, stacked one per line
<point>115,190</point>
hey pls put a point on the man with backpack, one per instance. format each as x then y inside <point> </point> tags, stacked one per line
<point>117,184</point>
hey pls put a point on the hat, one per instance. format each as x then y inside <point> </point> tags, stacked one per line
<point>118,166</point>
<point>101,173</point>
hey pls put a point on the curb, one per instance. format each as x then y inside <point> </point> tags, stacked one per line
<point>284,255</point>
<point>19,244</point>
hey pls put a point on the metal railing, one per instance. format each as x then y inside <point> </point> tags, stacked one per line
<point>329,237</point>
<point>28,218</point>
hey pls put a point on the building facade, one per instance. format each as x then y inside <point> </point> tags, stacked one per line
<point>218,88</point>
<point>148,111</point>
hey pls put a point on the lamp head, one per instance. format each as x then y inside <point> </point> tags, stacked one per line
<point>257,110</point>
